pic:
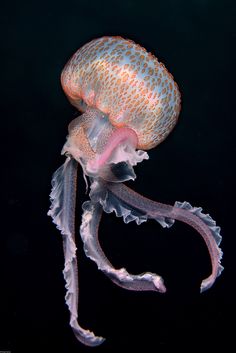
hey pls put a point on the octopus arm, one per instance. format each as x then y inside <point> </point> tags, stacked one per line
<point>62,211</point>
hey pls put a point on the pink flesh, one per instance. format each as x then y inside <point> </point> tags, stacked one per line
<point>120,135</point>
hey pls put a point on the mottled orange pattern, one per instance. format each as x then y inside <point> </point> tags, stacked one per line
<point>125,82</point>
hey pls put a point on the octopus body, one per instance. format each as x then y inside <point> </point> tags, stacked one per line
<point>129,104</point>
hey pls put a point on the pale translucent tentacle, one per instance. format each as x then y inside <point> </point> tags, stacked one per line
<point>102,192</point>
<point>62,211</point>
<point>206,226</point>
<point>183,212</point>
<point>89,233</point>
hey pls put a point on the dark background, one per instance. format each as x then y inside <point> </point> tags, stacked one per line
<point>196,41</point>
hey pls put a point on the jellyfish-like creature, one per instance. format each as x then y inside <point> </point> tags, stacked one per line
<point>129,104</point>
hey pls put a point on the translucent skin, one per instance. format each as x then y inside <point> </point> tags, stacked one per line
<point>125,82</point>
<point>104,141</point>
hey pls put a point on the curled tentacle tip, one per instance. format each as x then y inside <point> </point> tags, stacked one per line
<point>208,282</point>
<point>159,284</point>
<point>205,286</point>
<point>88,337</point>
<point>96,341</point>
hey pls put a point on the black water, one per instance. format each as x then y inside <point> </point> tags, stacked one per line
<point>196,41</point>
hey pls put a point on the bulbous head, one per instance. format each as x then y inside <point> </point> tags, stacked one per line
<point>125,83</point>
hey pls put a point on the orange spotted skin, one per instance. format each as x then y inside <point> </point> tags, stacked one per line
<point>128,84</point>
